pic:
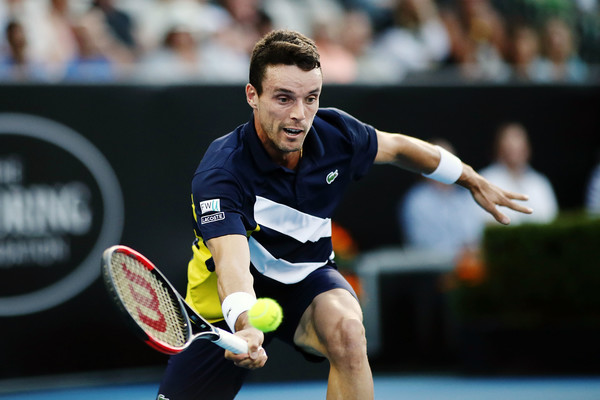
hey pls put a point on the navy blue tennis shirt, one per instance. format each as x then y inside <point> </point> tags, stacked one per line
<point>286,214</point>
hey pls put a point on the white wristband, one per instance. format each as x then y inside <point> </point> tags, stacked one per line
<point>235,304</point>
<point>448,170</point>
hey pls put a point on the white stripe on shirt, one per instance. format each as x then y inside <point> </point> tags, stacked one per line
<point>291,222</point>
<point>276,268</point>
<point>294,224</point>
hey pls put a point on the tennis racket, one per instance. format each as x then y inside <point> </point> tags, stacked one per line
<point>154,309</point>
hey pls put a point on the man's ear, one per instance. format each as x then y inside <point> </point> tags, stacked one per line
<point>251,95</point>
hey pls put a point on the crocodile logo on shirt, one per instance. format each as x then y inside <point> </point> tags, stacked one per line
<point>331,177</point>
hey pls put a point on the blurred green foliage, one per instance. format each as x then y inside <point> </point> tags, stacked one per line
<point>537,275</point>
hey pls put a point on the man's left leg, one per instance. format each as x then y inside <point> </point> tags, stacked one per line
<point>332,327</point>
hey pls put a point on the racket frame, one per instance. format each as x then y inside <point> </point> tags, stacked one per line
<point>195,326</point>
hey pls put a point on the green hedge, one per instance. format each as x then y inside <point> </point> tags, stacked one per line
<point>537,275</point>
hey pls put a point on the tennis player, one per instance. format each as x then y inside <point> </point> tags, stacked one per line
<point>262,197</point>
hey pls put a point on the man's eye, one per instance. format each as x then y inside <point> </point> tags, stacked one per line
<point>282,99</point>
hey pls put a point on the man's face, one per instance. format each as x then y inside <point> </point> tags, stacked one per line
<point>285,110</point>
<point>514,148</point>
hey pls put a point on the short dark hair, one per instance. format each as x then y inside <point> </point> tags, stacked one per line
<point>282,47</point>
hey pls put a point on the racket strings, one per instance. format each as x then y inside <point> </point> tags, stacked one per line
<point>149,301</point>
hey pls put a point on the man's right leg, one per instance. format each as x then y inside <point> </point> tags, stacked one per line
<point>201,373</point>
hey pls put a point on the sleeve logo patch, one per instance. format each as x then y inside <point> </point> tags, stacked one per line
<point>210,205</point>
<point>207,219</point>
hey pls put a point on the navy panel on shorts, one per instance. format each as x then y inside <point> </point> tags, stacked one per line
<point>295,298</point>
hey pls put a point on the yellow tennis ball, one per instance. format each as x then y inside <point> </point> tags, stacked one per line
<point>265,314</point>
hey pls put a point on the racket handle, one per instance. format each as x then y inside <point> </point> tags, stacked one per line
<point>230,342</point>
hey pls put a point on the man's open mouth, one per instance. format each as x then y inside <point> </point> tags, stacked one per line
<point>291,131</point>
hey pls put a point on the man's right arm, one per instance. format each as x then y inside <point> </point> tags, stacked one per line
<point>231,255</point>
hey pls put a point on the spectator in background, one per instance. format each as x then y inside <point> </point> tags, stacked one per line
<point>119,24</point>
<point>437,217</point>
<point>560,62</point>
<point>592,194</point>
<point>177,60</point>
<point>203,18</point>
<point>101,53</point>
<point>51,36</point>
<point>478,39</point>
<point>372,67</point>
<point>301,15</point>
<point>246,19</point>
<point>17,65</point>
<point>183,59</point>
<point>338,64</point>
<point>213,41</point>
<point>357,32</point>
<point>226,54</point>
<point>511,170</point>
<point>225,57</point>
<point>418,41</point>
<point>248,23</point>
<point>524,51</point>
<point>91,64</point>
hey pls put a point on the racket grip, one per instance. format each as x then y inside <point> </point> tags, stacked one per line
<point>230,342</point>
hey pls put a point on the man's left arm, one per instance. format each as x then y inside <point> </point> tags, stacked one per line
<point>418,156</point>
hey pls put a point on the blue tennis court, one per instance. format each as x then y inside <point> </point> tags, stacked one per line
<point>414,387</point>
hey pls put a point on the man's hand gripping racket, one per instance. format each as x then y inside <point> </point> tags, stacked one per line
<point>155,310</point>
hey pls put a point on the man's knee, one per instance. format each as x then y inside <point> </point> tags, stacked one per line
<point>346,341</point>
<point>332,327</point>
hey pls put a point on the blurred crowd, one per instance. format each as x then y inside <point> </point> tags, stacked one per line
<point>360,41</point>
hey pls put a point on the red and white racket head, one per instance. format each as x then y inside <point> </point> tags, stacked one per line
<point>150,304</point>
